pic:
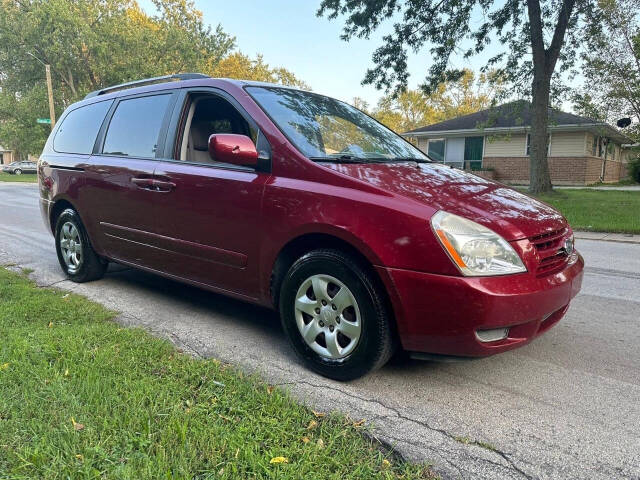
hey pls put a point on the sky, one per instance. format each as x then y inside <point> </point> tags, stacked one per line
<point>289,34</point>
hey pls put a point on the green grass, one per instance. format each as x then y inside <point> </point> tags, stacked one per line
<point>24,178</point>
<point>598,210</point>
<point>82,397</point>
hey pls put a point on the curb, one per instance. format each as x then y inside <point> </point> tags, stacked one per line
<point>608,237</point>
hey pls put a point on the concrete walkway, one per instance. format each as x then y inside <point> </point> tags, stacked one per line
<point>620,188</point>
<point>608,237</point>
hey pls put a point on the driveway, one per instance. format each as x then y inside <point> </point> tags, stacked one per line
<point>565,406</point>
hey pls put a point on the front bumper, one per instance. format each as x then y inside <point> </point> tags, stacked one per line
<point>440,314</point>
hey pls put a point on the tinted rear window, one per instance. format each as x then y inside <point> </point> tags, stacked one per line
<point>135,126</point>
<point>79,129</point>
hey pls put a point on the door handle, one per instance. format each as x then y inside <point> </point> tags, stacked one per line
<point>163,186</point>
<point>146,183</point>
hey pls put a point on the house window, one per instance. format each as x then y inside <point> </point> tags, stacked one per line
<point>602,146</point>
<point>436,150</point>
<point>473,149</point>
<point>529,144</point>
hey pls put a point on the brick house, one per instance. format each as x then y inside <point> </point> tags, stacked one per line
<point>6,156</point>
<point>10,156</point>
<point>495,143</point>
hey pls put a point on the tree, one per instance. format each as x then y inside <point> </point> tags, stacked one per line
<point>612,63</point>
<point>91,44</point>
<point>407,110</point>
<point>239,65</point>
<point>537,35</point>
<point>411,109</point>
<point>360,104</point>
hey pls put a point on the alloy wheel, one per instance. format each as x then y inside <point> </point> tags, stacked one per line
<point>71,247</point>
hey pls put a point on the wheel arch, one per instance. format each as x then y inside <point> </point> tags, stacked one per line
<point>59,206</point>
<point>307,242</point>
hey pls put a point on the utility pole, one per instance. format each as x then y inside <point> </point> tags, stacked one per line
<point>47,69</point>
<point>52,112</point>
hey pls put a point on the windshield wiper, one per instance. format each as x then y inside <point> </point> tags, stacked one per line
<point>360,160</point>
<point>411,159</point>
<point>340,159</point>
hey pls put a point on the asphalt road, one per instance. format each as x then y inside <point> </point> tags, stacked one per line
<point>565,406</point>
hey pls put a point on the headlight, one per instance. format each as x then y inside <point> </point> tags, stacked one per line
<point>475,249</point>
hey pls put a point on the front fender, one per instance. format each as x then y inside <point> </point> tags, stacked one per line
<point>388,231</point>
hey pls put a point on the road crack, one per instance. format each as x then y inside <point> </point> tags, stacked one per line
<point>422,423</point>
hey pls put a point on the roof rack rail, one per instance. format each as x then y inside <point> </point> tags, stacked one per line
<point>147,81</point>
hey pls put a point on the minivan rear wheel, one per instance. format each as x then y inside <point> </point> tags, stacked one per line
<point>76,256</point>
<point>334,315</point>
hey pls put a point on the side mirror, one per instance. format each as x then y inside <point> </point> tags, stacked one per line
<point>232,148</point>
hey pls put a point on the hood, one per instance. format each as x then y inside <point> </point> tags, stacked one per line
<point>508,212</point>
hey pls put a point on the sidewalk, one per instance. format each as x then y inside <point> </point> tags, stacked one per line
<point>608,237</point>
<point>619,188</point>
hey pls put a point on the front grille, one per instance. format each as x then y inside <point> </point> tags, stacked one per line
<point>550,251</point>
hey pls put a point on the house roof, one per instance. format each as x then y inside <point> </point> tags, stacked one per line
<point>513,116</point>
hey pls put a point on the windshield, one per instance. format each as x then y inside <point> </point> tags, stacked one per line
<point>323,128</point>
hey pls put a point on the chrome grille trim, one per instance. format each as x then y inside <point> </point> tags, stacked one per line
<point>550,254</point>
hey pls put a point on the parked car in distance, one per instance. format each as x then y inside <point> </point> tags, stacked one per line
<point>302,203</point>
<point>18,168</point>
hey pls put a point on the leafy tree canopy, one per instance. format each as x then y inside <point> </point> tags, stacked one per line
<point>531,42</point>
<point>411,109</point>
<point>464,28</point>
<point>91,44</point>
<point>612,62</point>
<point>239,65</point>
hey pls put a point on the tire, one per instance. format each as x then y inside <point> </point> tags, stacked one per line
<point>76,255</point>
<point>17,171</point>
<point>350,340</point>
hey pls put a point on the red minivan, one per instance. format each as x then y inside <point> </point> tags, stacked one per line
<point>300,202</point>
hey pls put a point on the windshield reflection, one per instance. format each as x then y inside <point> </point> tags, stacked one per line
<point>323,128</point>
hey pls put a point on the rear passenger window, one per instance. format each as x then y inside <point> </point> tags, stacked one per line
<point>79,129</point>
<point>135,127</point>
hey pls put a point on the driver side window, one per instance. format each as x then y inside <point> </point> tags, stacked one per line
<point>208,115</point>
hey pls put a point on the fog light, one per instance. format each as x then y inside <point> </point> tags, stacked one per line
<point>492,335</point>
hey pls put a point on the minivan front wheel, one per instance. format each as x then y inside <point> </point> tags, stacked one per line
<point>75,254</point>
<point>17,171</point>
<point>334,315</point>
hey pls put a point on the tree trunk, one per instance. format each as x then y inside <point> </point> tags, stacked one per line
<point>16,156</point>
<point>544,64</point>
<point>603,171</point>
<point>539,178</point>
